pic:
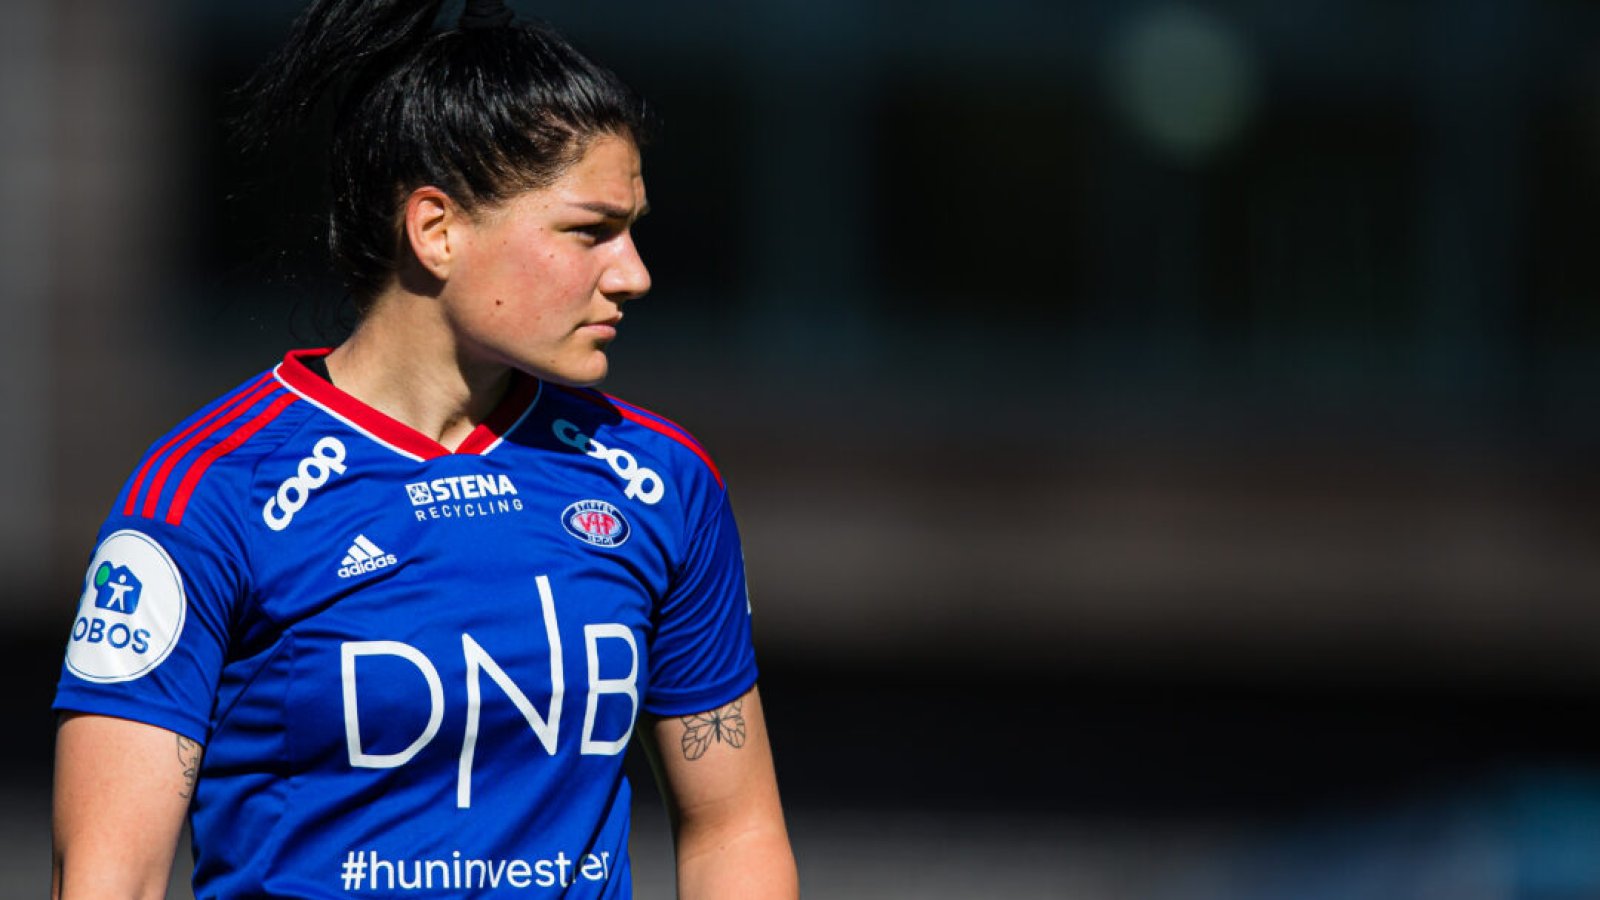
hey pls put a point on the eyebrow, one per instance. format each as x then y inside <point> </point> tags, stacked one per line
<point>610,211</point>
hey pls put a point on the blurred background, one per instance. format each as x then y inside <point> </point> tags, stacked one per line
<point>1164,433</point>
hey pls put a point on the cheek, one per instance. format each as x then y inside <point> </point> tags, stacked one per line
<point>530,290</point>
<point>513,285</point>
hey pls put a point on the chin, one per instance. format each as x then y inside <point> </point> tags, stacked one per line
<point>583,376</point>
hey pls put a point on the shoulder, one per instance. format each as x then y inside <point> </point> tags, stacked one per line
<point>594,417</point>
<point>209,459</point>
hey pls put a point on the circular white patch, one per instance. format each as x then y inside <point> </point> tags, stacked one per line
<point>131,612</point>
<point>596,523</point>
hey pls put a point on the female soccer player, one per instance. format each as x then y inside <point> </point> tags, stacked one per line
<point>383,619</point>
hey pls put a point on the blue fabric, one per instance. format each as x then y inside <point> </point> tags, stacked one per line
<point>335,631</point>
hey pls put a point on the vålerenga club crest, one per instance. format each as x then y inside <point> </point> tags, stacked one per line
<point>596,523</point>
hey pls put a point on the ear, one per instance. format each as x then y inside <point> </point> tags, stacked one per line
<point>433,223</point>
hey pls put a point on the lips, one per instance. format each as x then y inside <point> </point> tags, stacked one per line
<point>606,328</point>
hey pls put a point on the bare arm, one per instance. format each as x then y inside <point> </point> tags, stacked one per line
<point>121,791</point>
<point>716,774</point>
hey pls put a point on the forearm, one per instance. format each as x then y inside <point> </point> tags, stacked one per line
<point>86,877</point>
<point>736,861</point>
<point>722,793</point>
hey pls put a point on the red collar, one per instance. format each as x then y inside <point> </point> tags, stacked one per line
<point>398,436</point>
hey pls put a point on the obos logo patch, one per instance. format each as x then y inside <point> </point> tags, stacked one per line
<point>596,522</point>
<point>131,612</point>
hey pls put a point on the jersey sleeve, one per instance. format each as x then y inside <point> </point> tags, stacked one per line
<point>152,625</point>
<point>702,656</point>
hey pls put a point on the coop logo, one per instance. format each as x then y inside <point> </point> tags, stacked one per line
<point>639,483</point>
<point>596,522</point>
<point>325,461</point>
<point>463,497</point>
<point>131,611</point>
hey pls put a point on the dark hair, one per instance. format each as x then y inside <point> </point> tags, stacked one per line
<point>483,113</point>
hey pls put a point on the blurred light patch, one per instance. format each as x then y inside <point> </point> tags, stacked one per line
<point>1184,81</point>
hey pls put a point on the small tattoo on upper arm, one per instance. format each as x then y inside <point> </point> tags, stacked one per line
<point>725,724</point>
<point>189,754</point>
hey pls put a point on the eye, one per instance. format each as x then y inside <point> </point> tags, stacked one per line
<point>596,231</point>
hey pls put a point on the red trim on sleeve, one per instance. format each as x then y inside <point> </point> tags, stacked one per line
<point>138,481</point>
<point>191,479</point>
<point>246,401</point>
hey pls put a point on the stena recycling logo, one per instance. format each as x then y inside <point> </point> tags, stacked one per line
<point>131,612</point>
<point>596,523</point>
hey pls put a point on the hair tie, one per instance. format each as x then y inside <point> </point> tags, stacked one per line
<point>485,14</point>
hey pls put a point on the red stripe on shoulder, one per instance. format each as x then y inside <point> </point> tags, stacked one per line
<point>138,481</point>
<point>651,421</point>
<point>624,405</point>
<point>191,479</point>
<point>246,401</point>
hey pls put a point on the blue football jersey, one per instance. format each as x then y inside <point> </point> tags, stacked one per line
<point>415,671</point>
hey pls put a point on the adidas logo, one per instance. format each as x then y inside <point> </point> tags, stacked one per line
<point>364,556</point>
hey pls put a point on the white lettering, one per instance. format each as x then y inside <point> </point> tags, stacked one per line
<point>545,724</point>
<point>326,459</point>
<point>359,758</point>
<point>639,483</point>
<point>568,433</point>
<point>546,728</point>
<point>444,873</point>
<point>378,864</point>
<point>368,565</point>
<point>597,686</point>
<point>488,495</point>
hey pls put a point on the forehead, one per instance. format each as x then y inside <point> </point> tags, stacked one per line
<point>606,179</point>
<point>609,171</point>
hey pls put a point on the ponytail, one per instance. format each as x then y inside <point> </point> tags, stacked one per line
<point>331,41</point>
<point>483,111</point>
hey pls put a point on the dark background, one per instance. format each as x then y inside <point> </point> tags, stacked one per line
<point>1164,434</point>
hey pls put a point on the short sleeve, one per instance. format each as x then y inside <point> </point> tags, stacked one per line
<point>151,631</point>
<point>702,655</point>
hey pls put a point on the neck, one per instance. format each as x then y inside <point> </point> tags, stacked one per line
<point>403,361</point>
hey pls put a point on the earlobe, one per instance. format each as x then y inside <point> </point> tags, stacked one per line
<point>431,219</point>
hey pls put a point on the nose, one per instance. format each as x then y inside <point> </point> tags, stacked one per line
<point>626,278</point>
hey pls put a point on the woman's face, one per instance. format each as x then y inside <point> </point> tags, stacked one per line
<point>540,280</point>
